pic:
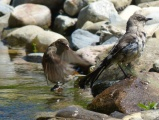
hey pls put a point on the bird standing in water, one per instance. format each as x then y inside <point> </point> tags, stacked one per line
<point>58,61</point>
<point>129,47</point>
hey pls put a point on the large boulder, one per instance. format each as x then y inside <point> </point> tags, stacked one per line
<point>125,95</point>
<point>30,14</point>
<point>97,11</point>
<point>34,37</point>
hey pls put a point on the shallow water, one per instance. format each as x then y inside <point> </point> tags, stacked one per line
<point>24,91</point>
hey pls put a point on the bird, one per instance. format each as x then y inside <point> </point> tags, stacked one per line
<point>128,48</point>
<point>58,61</point>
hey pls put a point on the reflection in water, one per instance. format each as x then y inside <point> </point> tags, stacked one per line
<point>6,66</point>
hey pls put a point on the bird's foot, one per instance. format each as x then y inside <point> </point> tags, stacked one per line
<point>57,88</point>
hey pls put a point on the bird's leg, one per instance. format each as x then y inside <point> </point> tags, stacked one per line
<point>126,76</point>
<point>57,87</point>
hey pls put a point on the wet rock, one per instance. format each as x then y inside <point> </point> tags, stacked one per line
<point>33,35</point>
<point>34,57</point>
<point>128,11</point>
<point>5,9</point>
<point>125,95</point>
<point>82,38</point>
<point>79,113</point>
<point>120,5</point>
<point>149,4</point>
<point>143,115</point>
<point>30,14</point>
<point>96,11</point>
<point>72,7</point>
<point>64,24</point>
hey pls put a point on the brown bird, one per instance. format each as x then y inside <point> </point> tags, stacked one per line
<point>129,47</point>
<point>58,61</point>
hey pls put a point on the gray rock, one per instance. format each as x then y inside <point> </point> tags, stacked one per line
<point>34,57</point>
<point>63,24</point>
<point>80,113</point>
<point>5,9</point>
<point>30,14</point>
<point>81,38</point>
<point>72,7</point>
<point>97,11</point>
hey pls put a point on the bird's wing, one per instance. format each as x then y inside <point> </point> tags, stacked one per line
<point>126,40</point>
<point>55,69</point>
<point>71,57</point>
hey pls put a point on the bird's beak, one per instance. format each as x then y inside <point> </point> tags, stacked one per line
<point>67,46</point>
<point>147,19</point>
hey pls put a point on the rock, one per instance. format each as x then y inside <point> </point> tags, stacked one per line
<point>4,22</point>
<point>143,115</point>
<point>149,4</point>
<point>5,9</point>
<point>156,66</point>
<point>34,57</point>
<point>44,115</point>
<point>79,113</point>
<point>120,5</point>
<point>30,14</point>
<point>54,5</point>
<point>93,27</point>
<point>125,95</point>
<point>33,35</point>
<point>128,11</point>
<point>143,1</point>
<point>96,11</point>
<point>72,7</point>
<point>91,52</point>
<point>81,38</point>
<point>64,24</point>
<point>5,1</point>
<point>152,30</point>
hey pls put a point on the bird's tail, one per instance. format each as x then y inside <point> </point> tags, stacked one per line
<point>92,77</point>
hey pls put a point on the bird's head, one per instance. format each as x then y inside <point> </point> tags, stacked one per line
<point>137,20</point>
<point>62,44</point>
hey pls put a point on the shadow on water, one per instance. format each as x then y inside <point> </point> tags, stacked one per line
<point>24,91</point>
